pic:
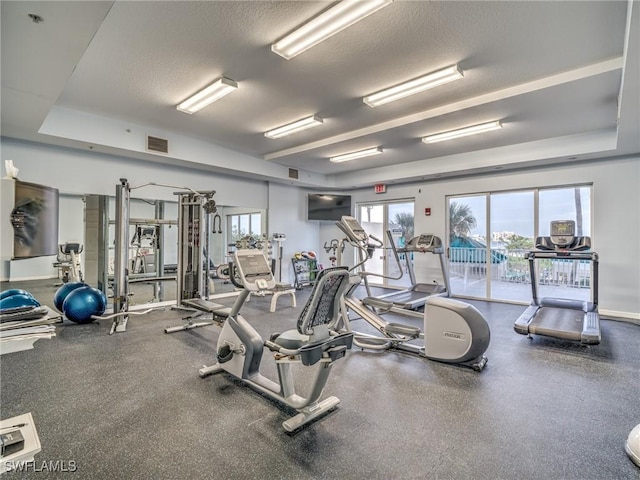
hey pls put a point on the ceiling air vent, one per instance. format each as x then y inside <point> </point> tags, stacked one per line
<point>293,173</point>
<point>158,145</point>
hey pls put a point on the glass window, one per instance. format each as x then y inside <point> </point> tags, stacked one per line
<point>245,224</point>
<point>506,233</point>
<point>573,203</point>
<point>559,278</point>
<point>256,225</point>
<point>512,236</point>
<point>468,245</point>
<point>396,217</point>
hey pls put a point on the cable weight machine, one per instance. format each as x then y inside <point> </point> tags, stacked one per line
<point>193,272</point>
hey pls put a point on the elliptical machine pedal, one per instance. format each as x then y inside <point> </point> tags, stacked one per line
<point>406,331</point>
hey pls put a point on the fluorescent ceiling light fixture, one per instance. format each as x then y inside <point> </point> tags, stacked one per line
<point>328,23</point>
<point>218,89</point>
<point>294,127</point>
<point>359,154</point>
<point>416,85</point>
<point>462,132</point>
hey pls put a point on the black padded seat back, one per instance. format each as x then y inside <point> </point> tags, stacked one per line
<point>69,247</point>
<point>323,306</point>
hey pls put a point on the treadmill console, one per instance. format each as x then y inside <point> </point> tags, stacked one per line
<point>423,243</point>
<point>353,229</point>
<point>254,270</point>
<point>562,232</point>
<point>563,238</point>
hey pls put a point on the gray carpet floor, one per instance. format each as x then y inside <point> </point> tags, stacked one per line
<point>132,405</point>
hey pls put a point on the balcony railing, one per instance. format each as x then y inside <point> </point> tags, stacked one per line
<point>511,266</point>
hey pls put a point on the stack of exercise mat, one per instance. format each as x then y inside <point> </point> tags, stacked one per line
<point>23,320</point>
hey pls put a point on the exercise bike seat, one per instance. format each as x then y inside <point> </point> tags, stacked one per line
<point>333,348</point>
<point>316,327</point>
<point>311,353</point>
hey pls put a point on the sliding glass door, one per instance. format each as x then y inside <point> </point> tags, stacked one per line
<point>490,234</point>
<point>562,278</point>
<point>467,245</point>
<point>376,219</point>
<point>512,236</point>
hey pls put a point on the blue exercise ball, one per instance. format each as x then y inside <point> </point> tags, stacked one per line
<point>62,293</point>
<point>83,303</point>
<point>13,291</point>
<point>18,301</point>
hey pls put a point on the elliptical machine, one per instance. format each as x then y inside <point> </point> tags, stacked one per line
<point>454,332</point>
<point>314,342</point>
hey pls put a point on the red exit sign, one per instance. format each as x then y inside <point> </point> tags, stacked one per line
<point>380,188</point>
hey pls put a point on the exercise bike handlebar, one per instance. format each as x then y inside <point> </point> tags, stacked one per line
<point>274,347</point>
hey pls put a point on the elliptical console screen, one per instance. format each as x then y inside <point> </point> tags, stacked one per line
<point>354,229</point>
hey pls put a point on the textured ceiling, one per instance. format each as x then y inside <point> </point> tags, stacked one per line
<point>547,69</point>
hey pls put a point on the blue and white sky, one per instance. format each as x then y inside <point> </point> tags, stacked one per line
<point>514,211</point>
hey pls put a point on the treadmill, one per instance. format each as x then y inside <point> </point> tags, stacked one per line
<point>562,318</point>
<point>416,295</point>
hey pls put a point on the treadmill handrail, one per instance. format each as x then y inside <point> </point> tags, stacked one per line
<point>592,257</point>
<point>563,254</point>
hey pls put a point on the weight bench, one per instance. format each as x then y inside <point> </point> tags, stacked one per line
<point>219,313</point>
<point>279,290</point>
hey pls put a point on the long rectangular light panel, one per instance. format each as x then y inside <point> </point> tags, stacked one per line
<point>462,132</point>
<point>414,86</point>
<point>359,154</point>
<point>294,127</point>
<point>328,23</point>
<point>218,89</point>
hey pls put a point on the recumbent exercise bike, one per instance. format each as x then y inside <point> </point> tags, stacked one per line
<point>314,342</point>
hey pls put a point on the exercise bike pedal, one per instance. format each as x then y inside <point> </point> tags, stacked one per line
<point>224,354</point>
<point>404,330</point>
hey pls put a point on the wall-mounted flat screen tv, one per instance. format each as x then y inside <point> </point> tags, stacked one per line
<point>328,206</point>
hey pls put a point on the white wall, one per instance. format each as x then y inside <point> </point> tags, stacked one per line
<point>288,214</point>
<point>328,232</point>
<point>616,219</point>
<point>76,172</point>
